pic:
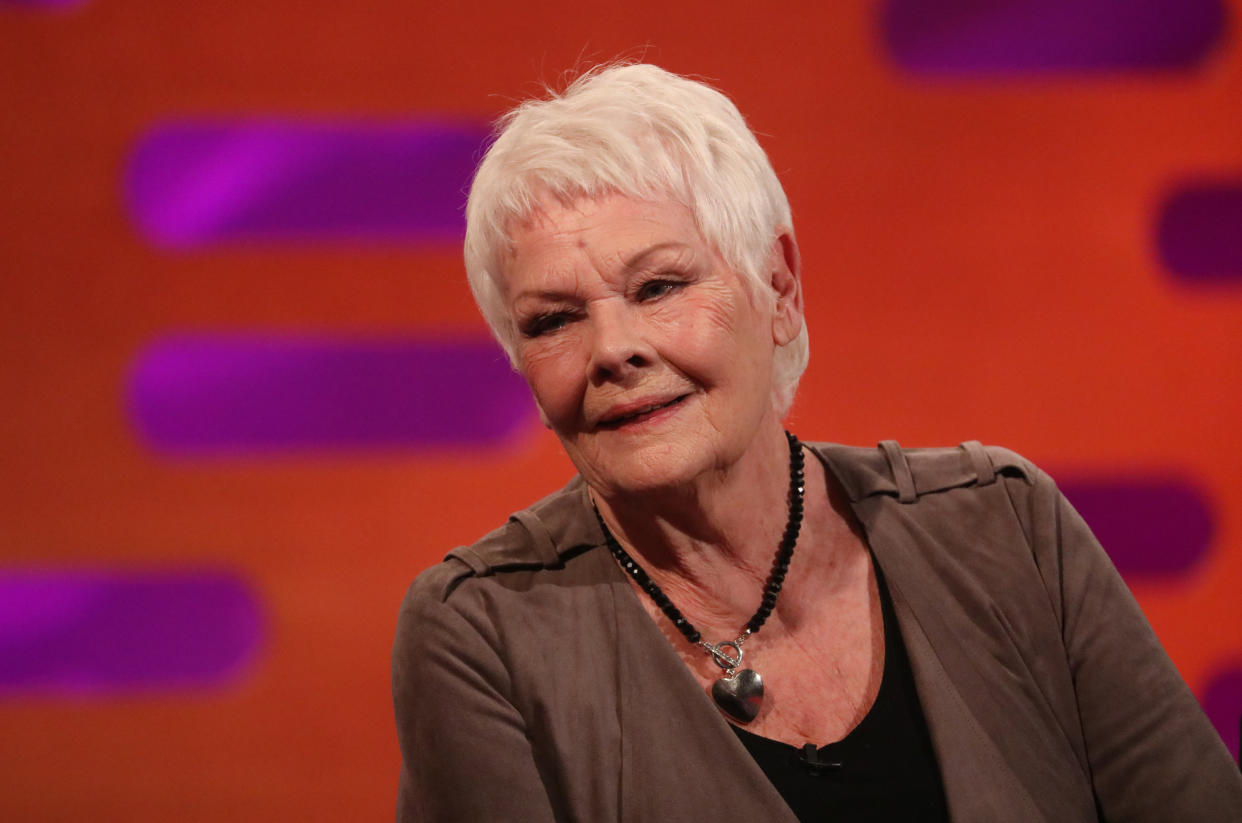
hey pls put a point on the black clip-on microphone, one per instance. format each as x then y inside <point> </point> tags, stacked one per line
<point>809,755</point>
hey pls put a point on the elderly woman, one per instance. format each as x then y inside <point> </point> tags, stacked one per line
<point>715,620</point>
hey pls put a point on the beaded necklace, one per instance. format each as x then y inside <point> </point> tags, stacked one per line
<point>739,692</point>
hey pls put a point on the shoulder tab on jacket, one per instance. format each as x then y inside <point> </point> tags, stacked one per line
<point>908,473</point>
<point>505,546</point>
<point>536,537</point>
<point>437,582</point>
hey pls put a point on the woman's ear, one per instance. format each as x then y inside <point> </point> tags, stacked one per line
<point>784,276</point>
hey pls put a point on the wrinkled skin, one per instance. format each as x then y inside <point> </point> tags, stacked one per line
<point>648,356</point>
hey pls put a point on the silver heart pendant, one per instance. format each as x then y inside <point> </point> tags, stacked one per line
<point>739,695</point>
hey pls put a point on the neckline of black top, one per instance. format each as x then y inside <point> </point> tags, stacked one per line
<point>884,769</point>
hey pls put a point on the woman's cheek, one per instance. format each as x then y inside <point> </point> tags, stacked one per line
<point>708,312</point>
<point>714,317</point>
<point>549,350</point>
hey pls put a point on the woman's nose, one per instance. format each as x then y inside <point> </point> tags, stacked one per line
<point>618,346</point>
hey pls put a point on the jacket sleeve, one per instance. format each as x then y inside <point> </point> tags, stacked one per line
<point>1152,753</point>
<point>464,750</point>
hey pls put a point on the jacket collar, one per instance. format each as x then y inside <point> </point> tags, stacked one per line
<point>562,525</point>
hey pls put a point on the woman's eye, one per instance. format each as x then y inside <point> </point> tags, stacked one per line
<point>545,323</point>
<point>657,288</point>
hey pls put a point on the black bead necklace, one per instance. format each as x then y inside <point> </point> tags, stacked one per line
<point>739,692</point>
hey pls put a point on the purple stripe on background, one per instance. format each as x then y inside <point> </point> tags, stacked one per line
<point>48,4</point>
<point>1049,36</point>
<point>80,632</point>
<point>1150,526</point>
<point>1222,700</point>
<point>199,184</point>
<point>212,394</point>
<point>1199,233</point>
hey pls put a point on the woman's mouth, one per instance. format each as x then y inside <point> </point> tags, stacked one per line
<point>639,415</point>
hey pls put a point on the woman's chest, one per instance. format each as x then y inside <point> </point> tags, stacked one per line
<point>820,665</point>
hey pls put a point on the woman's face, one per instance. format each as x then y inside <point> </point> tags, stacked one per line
<point>647,354</point>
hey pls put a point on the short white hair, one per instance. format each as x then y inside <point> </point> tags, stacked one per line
<point>642,132</point>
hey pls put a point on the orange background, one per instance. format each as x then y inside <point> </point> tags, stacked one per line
<point>979,259</point>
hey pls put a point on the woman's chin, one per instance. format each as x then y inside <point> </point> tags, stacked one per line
<point>643,470</point>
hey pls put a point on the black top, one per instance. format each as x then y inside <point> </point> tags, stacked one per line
<point>883,770</point>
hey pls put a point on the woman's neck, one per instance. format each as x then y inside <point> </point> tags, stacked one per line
<point>710,545</point>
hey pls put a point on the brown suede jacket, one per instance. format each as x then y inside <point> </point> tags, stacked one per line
<point>531,685</point>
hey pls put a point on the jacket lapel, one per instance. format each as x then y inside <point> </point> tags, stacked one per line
<point>979,785</point>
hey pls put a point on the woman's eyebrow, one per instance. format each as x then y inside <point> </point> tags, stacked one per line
<point>547,295</point>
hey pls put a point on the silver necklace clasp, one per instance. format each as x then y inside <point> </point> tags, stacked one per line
<point>722,657</point>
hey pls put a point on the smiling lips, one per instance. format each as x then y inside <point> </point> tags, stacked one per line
<point>628,413</point>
